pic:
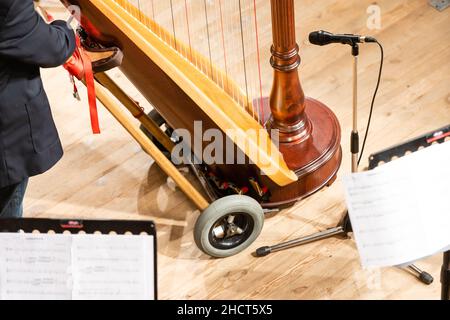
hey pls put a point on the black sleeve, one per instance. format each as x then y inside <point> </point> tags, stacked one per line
<point>26,37</point>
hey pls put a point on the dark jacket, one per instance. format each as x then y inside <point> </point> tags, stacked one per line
<point>29,142</point>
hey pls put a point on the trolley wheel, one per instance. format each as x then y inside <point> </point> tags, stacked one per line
<point>159,120</point>
<point>228,226</point>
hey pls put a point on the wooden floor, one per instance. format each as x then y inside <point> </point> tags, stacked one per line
<point>109,177</point>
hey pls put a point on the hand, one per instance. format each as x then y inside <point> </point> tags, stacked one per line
<point>43,12</point>
<point>75,63</point>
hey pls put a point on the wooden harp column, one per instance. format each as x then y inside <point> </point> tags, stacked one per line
<point>309,132</point>
<point>287,101</point>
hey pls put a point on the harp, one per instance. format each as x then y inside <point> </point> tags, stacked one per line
<point>204,61</point>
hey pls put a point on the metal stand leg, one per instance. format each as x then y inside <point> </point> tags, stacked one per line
<point>264,251</point>
<point>445,277</point>
<point>423,276</point>
<point>341,230</point>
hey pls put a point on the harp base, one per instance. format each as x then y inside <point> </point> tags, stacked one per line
<point>315,160</point>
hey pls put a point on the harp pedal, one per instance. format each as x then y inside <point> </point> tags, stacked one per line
<point>261,191</point>
<point>257,187</point>
<point>226,187</point>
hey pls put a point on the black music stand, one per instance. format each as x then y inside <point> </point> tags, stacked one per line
<point>28,225</point>
<point>345,227</point>
<point>445,277</point>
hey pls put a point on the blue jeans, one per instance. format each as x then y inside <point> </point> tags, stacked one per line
<point>11,200</point>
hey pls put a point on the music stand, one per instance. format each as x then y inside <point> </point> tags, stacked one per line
<point>119,227</point>
<point>345,227</point>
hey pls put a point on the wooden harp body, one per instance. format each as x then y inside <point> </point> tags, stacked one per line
<point>309,154</point>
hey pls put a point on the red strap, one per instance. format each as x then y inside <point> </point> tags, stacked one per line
<point>82,71</point>
<point>90,84</point>
<point>80,67</point>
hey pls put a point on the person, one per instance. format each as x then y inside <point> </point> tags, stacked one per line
<point>29,141</point>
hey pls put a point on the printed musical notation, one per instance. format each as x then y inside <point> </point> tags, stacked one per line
<point>112,268</point>
<point>43,266</point>
<point>400,211</point>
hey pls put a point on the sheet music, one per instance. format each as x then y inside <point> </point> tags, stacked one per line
<point>400,211</point>
<point>112,268</point>
<point>44,266</point>
<point>34,266</point>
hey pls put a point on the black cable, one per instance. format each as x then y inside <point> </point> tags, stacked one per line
<point>373,103</point>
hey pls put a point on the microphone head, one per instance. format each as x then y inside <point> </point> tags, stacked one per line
<point>370,39</point>
<point>320,38</point>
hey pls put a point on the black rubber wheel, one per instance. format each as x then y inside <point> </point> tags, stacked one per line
<point>228,226</point>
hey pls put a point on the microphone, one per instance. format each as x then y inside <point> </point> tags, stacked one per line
<point>322,38</point>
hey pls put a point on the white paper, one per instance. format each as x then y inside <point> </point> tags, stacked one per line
<point>112,268</point>
<point>400,211</point>
<point>34,266</point>
<point>44,266</point>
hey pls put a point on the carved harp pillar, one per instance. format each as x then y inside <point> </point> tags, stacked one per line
<point>309,132</point>
<point>287,101</point>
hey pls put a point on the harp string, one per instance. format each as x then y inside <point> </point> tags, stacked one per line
<point>188,28</point>
<point>173,25</point>
<point>243,53</point>
<point>258,59</point>
<point>153,10</point>
<point>208,36</point>
<point>220,38</point>
<point>223,44</point>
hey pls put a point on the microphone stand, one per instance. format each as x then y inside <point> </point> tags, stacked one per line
<point>344,227</point>
<point>354,139</point>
